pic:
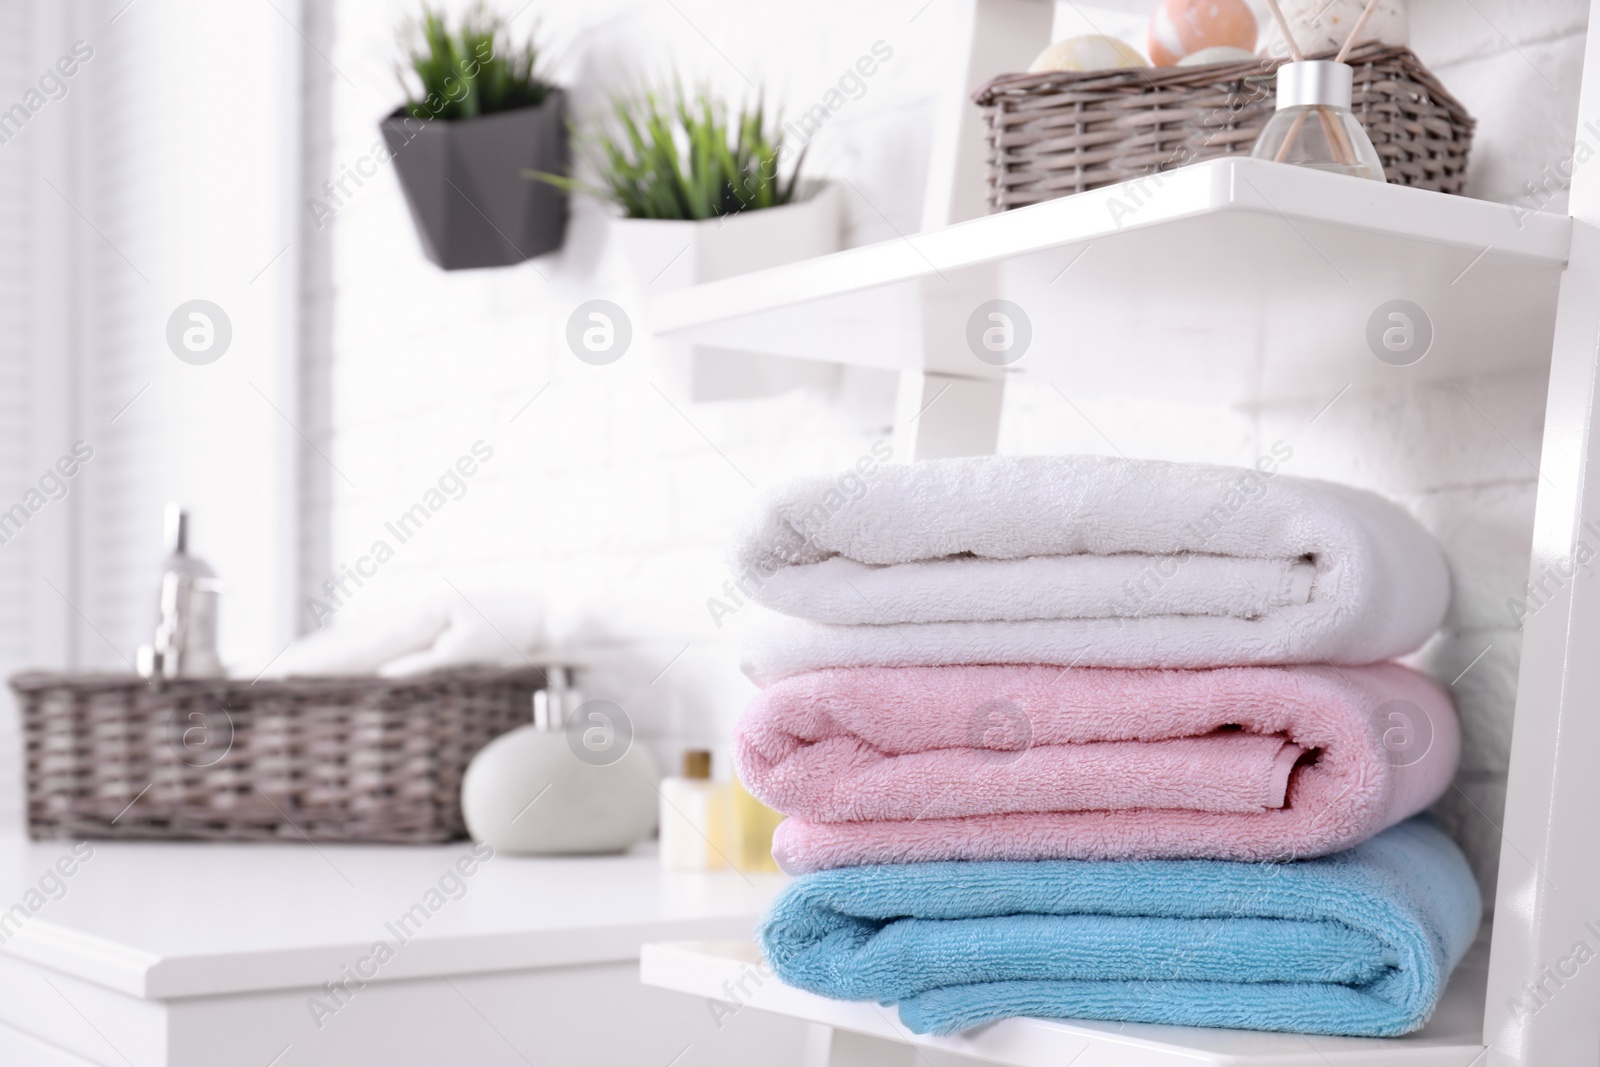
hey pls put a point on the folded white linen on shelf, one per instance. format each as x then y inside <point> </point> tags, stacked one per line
<point>421,632</point>
<point>1083,560</point>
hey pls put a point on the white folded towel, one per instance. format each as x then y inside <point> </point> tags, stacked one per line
<point>417,632</point>
<point>1084,560</point>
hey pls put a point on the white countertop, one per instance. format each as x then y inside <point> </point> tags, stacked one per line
<point>163,920</point>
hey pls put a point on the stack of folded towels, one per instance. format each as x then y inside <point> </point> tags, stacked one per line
<point>1081,737</point>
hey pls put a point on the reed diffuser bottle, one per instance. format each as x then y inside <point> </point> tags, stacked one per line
<point>1314,126</point>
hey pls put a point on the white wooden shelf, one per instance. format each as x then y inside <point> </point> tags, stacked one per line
<point>1236,279</point>
<point>730,971</point>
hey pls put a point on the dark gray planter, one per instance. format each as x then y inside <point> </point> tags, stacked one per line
<point>464,182</point>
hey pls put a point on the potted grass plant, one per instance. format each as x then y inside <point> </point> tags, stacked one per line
<point>702,191</point>
<point>478,115</point>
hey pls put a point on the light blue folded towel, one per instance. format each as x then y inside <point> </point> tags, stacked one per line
<point>1359,943</point>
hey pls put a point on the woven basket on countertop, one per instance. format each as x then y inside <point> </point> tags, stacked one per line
<point>1063,132</point>
<point>325,759</point>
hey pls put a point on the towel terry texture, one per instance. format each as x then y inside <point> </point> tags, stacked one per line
<point>904,765</point>
<point>1088,560</point>
<point>1359,943</point>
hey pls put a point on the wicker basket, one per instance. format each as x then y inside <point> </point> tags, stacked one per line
<point>1060,133</point>
<point>321,759</point>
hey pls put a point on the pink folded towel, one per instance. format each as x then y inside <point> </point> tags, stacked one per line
<point>914,764</point>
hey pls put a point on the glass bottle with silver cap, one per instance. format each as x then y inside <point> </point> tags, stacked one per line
<point>1314,126</point>
<point>185,644</point>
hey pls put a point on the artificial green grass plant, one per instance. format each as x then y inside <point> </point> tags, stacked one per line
<point>473,70</point>
<point>664,155</point>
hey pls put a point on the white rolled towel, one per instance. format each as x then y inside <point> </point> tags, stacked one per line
<point>1083,560</point>
<point>416,632</point>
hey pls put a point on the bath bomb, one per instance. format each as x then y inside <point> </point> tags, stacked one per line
<point>1320,26</point>
<point>1183,27</point>
<point>1090,52</point>
<point>1221,54</point>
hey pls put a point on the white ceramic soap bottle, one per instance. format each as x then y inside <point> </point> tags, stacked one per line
<point>572,781</point>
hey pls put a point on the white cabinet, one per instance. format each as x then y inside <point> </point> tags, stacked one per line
<point>208,955</point>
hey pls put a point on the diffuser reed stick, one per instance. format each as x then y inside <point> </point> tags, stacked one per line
<point>1344,151</point>
<point>1288,34</point>
<point>1355,31</point>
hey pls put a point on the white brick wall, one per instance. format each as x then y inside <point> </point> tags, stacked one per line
<point>1460,456</point>
<point>602,493</point>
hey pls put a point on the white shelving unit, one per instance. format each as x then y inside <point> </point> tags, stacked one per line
<point>1235,280</point>
<point>1242,281</point>
<point>714,968</point>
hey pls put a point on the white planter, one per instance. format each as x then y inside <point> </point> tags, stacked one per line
<point>667,255</point>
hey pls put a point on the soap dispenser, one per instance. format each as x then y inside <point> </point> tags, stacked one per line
<point>546,789</point>
<point>185,644</point>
